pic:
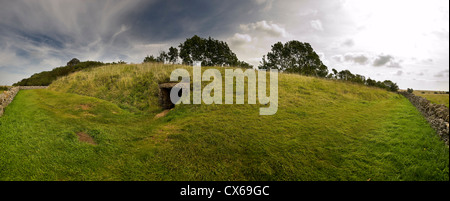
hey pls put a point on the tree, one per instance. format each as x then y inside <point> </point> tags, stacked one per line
<point>409,90</point>
<point>173,54</point>
<point>294,57</point>
<point>335,73</point>
<point>243,64</point>
<point>163,57</point>
<point>391,86</point>
<point>148,59</point>
<point>345,75</point>
<point>73,62</point>
<point>210,52</point>
<point>359,79</point>
<point>192,50</point>
<point>370,82</point>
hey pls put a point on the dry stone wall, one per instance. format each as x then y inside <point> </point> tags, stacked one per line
<point>8,96</point>
<point>32,87</point>
<point>437,115</point>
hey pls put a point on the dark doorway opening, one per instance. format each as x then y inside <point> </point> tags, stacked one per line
<point>164,95</point>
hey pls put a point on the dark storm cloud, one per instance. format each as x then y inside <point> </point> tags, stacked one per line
<point>166,20</point>
<point>40,35</point>
<point>382,60</point>
<point>386,60</point>
<point>59,22</point>
<point>357,58</point>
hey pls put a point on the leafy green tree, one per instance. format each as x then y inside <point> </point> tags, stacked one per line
<point>370,82</point>
<point>163,57</point>
<point>359,79</point>
<point>210,52</point>
<point>346,75</point>
<point>409,90</point>
<point>173,54</point>
<point>391,86</point>
<point>335,73</point>
<point>150,58</point>
<point>243,64</point>
<point>192,50</point>
<point>294,57</point>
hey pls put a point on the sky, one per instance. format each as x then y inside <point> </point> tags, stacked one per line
<point>406,41</point>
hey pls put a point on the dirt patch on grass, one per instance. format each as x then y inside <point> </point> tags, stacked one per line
<point>84,137</point>
<point>85,107</point>
<point>162,114</point>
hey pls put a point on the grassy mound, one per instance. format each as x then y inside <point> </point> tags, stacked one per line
<point>129,86</point>
<point>136,86</point>
<point>323,130</point>
<point>45,78</point>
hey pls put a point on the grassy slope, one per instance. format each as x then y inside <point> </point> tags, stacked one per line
<point>324,130</point>
<point>437,98</point>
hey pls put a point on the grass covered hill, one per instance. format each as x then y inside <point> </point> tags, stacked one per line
<point>99,124</point>
<point>45,78</point>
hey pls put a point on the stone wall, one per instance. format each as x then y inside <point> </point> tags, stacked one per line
<point>437,115</point>
<point>8,96</point>
<point>32,87</point>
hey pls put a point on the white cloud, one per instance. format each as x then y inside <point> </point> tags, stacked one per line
<point>308,12</point>
<point>338,58</point>
<point>348,43</point>
<point>269,28</point>
<point>240,39</point>
<point>316,24</point>
<point>255,39</point>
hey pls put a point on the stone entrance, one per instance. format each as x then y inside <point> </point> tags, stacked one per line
<point>164,95</point>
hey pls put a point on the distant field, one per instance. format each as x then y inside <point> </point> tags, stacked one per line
<point>425,92</point>
<point>3,88</point>
<point>323,130</point>
<point>437,97</point>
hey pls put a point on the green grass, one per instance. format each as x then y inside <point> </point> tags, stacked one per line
<point>437,98</point>
<point>323,130</point>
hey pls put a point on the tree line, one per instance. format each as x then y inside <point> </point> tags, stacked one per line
<point>209,52</point>
<point>298,57</point>
<point>291,57</point>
